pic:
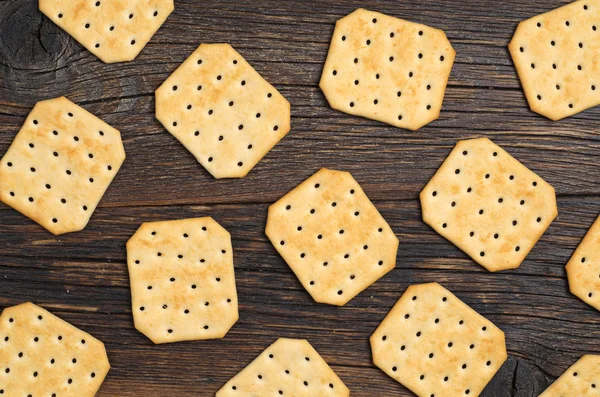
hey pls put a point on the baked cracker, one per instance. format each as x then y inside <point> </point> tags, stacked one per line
<point>581,380</point>
<point>225,113</point>
<point>488,204</point>
<point>114,31</point>
<point>387,69</point>
<point>182,280</point>
<point>42,355</point>
<point>435,345</point>
<point>332,236</point>
<point>59,165</point>
<point>583,270</point>
<point>556,58</point>
<point>289,367</point>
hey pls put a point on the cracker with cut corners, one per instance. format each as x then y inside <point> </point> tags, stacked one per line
<point>387,69</point>
<point>225,113</point>
<point>583,270</point>
<point>436,345</point>
<point>182,280</point>
<point>289,367</point>
<point>488,204</point>
<point>582,379</point>
<point>42,355</point>
<point>555,55</point>
<point>114,31</point>
<point>332,236</point>
<point>59,165</point>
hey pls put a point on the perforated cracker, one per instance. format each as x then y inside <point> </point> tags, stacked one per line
<point>387,69</point>
<point>332,237</point>
<point>59,165</point>
<point>42,355</point>
<point>435,345</point>
<point>114,31</point>
<point>583,270</point>
<point>289,367</point>
<point>488,204</point>
<point>581,380</point>
<point>182,280</point>
<point>556,58</point>
<point>225,113</point>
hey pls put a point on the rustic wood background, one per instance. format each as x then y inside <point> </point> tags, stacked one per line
<point>83,278</point>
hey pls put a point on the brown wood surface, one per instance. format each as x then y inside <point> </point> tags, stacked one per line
<point>83,278</point>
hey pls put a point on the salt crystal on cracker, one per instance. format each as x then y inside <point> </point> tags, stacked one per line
<point>488,204</point>
<point>59,165</point>
<point>42,355</point>
<point>114,31</point>
<point>182,280</point>
<point>332,236</point>
<point>387,69</point>
<point>435,345</point>
<point>225,113</point>
<point>289,367</point>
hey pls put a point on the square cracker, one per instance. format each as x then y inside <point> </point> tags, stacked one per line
<point>556,57</point>
<point>42,355</point>
<point>583,270</point>
<point>289,367</point>
<point>580,380</point>
<point>387,69</point>
<point>332,236</point>
<point>225,113</point>
<point>114,31</point>
<point>488,204</point>
<point>182,280</point>
<point>435,345</point>
<point>59,165</point>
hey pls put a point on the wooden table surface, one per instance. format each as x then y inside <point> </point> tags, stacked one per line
<point>82,277</point>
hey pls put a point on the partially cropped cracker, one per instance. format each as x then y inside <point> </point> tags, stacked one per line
<point>556,58</point>
<point>583,270</point>
<point>225,113</point>
<point>59,165</point>
<point>581,380</point>
<point>114,31</point>
<point>387,69</point>
<point>42,355</point>
<point>182,280</point>
<point>289,367</point>
<point>435,345</point>
<point>332,236</point>
<point>488,204</point>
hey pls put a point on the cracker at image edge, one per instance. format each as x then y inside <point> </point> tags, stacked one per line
<point>59,165</point>
<point>580,380</point>
<point>77,362</point>
<point>112,30</point>
<point>436,345</point>
<point>289,367</point>
<point>555,55</point>
<point>387,69</point>
<point>583,269</point>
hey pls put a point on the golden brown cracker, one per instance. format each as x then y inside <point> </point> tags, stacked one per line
<point>387,69</point>
<point>332,236</point>
<point>488,204</point>
<point>182,280</point>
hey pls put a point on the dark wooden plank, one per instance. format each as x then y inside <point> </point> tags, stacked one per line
<point>83,278</point>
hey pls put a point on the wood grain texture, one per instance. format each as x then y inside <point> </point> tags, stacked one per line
<point>83,277</point>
